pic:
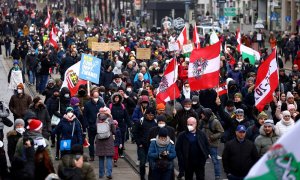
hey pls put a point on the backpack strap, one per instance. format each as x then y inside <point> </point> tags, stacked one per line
<point>110,106</point>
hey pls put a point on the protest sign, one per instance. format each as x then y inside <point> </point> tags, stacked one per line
<point>114,46</point>
<point>90,68</point>
<point>143,53</point>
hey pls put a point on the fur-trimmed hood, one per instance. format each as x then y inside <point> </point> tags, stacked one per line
<point>114,95</point>
<point>262,132</point>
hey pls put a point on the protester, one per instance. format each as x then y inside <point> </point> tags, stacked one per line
<point>192,149</point>
<point>20,102</point>
<point>239,155</point>
<point>161,155</point>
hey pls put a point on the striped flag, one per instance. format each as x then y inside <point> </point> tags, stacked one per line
<point>204,67</point>
<point>168,89</point>
<point>222,89</point>
<point>47,22</point>
<point>266,81</point>
<point>182,38</point>
<point>196,39</point>
<point>53,37</point>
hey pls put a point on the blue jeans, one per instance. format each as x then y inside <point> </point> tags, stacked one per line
<point>32,77</point>
<point>214,158</point>
<point>43,83</point>
<point>108,166</point>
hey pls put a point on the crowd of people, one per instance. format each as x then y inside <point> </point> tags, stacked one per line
<point>123,105</point>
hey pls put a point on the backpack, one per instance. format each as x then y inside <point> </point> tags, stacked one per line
<point>103,130</point>
<point>123,106</point>
<point>210,126</point>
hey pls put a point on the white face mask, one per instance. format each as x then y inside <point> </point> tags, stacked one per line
<point>69,114</point>
<point>239,120</point>
<point>187,108</point>
<point>20,91</point>
<point>161,125</point>
<point>20,130</point>
<point>187,89</point>
<point>194,103</point>
<point>67,95</point>
<point>190,128</point>
<point>96,99</point>
<point>128,89</point>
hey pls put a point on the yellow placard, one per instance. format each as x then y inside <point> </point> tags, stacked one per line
<point>90,40</point>
<point>143,53</point>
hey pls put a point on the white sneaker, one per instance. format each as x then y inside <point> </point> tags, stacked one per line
<point>147,164</point>
<point>137,163</point>
<point>219,157</point>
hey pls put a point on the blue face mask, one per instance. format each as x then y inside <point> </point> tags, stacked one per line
<point>16,68</point>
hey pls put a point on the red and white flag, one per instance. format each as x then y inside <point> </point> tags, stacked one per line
<point>204,67</point>
<point>47,22</point>
<point>168,89</point>
<point>222,89</point>
<point>266,81</point>
<point>71,80</point>
<point>238,36</point>
<point>182,38</point>
<point>196,39</point>
<point>53,37</point>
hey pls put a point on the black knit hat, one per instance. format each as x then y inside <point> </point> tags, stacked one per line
<point>161,118</point>
<point>163,132</point>
<point>150,110</point>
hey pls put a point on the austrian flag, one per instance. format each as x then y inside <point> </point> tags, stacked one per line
<point>266,82</point>
<point>168,89</point>
<point>222,89</point>
<point>204,67</point>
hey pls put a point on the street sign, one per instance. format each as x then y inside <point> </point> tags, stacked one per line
<point>288,18</point>
<point>274,16</point>
<point>221,1</point>
<point>229,11</point>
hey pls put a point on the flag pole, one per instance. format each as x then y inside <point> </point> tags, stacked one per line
<point>279,84</point>
<point>88,88</point>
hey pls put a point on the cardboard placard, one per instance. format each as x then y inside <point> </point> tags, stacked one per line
<point>187,48</point>
<point>90,40</point>
<point>114,46</point>
<point>143,53</point>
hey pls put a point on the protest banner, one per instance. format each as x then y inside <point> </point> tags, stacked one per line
<point>114,46</point>
<point>90,40</point>
<point>90,68</point>
<point>143,53</point>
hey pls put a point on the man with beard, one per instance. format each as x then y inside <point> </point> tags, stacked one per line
<point>82,96</point>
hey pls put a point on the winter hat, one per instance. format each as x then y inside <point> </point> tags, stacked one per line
<point>15,62</point>
<point>163,132</point>
<point>74,101</point>
<point>250,79</point>
<point>291,106</point>
<point>150,110</point>
<point>239,112</point>
<point>116,76</point>
<point>195,99</point>
<point>34,125</point>
<point>286,113</point>
<point>144,98</point>
<point>262,115</point>
<point>19,121</point>
<point>102,116</point>
<point>160,106</point>
<point>144,92</point>
<point>161,118</point>
<point>105,110</point>
<point>187,101</point>
<point>229,103</point>
<point>269,122</point>
<point>20,86</point>
<point>55,90</point>
<point>289,95</point>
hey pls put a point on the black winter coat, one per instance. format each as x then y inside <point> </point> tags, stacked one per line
<point>91,108</point>
<point>239,157</point>
<point>181,118</point>
<point>142,130</point>
<point>52,106</point>
<point>183,147</point>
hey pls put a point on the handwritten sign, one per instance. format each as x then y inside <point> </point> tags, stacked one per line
<point>173,46</point>
<point>187,48</point>
<point>114,46</point>
<point>143,53</point>
<point>90,68</point>
<point>91,40</point>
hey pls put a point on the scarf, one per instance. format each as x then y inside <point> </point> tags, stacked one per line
<point>287,123</point>
<point>161,143</point>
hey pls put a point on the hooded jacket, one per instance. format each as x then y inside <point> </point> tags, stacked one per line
<point>18,105</point>
<point>119,112</point>
<point>181,118</point>
<point>264,142</point>
<point>64,102</point>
